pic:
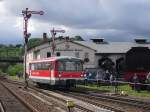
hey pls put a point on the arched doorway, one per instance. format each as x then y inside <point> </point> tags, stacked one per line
<point>120,66</point>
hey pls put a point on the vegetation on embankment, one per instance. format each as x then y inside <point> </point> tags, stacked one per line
<point>15,70</point>
<point>11,51</point>
<point>126,89</point>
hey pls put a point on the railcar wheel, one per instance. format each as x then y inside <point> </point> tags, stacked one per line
<point>39,84</point>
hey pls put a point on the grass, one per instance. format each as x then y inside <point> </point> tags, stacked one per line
<point>130,91</point>
<point>15,78</point>
<point>126,88</point>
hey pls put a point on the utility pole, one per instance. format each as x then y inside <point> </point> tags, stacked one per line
<point>26,15</point>
<point>53,33</point>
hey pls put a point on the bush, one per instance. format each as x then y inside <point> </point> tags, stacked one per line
<point>13,70</point>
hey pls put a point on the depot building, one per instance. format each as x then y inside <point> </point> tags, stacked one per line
<point>93,52</point>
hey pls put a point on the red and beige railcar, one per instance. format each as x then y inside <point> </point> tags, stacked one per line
<point>62,70</point>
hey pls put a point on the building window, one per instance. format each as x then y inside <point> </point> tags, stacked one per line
<point>48,54</point>
<point>86,57</point>
<point>67,46</point>
<point>77,54</point>
<point>58,54</point>
<point>36,54</point>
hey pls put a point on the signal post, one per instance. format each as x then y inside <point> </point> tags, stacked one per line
<point>26,15</point>
<point>53,33</point>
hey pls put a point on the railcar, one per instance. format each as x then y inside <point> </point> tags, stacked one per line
<point>137,63</point>
<point>62,71</point>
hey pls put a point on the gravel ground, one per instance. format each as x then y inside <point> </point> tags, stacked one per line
<point>10,103</point>
<point>35,100</point>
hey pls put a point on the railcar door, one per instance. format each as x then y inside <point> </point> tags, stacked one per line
<point>52,73</point>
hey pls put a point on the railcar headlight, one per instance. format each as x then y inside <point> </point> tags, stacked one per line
<point>81,75</point>
<point>59,75</point>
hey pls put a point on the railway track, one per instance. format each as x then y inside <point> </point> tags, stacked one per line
<point>120,102</point>
<point>11,102</point>
<point>140,103</point>
<point>2,109</point>
<point>48,93</point>
<point>64,100</point>
<point>36,92</point>
<point>90,100</point>
<point>95,99</point>
<point>123,100</point>
<point>34,100</point>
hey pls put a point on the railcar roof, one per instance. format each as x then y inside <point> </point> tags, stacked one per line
<point>53,59</point>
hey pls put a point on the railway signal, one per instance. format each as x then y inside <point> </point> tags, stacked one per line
<point>53,33</point>
<point>27,15</point>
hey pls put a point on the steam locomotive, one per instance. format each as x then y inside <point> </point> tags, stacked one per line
<point>137,63</point>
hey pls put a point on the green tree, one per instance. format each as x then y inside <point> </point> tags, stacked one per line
<point>34,42</point>
<point>13,70</point>
<point>78,38</point>
<point>19,45</point>
<point>4,66</point>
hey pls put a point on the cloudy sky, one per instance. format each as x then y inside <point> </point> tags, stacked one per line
<point>114,20</point>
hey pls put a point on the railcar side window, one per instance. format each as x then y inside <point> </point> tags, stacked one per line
<point>44,66</point>
<point>40,66</point>
<point>67,65</point>
<point>32,67</point>
<point>51,66</point>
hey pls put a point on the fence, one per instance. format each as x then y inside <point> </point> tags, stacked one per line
<point>114,86</point>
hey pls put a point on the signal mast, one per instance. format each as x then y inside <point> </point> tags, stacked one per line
<point>53,33</point>
<point>26,15</point>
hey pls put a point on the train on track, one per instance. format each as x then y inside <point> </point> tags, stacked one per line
<point>137,63</point>
<point>62,71</point>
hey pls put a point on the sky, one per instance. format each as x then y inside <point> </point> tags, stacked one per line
<point>113,20</point>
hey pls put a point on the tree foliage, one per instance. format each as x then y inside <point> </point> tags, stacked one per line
<point>78,38</point>
<point>13,70</point>
<point>34,42</point>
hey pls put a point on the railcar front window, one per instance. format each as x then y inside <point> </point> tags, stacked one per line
<point>61,66</point>
<point>70,66</point>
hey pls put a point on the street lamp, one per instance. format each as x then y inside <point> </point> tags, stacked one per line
<point>27,14</point>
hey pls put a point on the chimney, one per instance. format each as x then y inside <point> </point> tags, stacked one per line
<point>67,38</point>
<point>140,40</point>
<point>45,37</point>
<point>98,40</point>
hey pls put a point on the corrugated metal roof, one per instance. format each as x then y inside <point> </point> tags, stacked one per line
<point>112,47</point>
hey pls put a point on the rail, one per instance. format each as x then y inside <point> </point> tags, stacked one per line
<point>2,109</point>
<point>48,95</point>
<point>126,101</point>
<point>26,104</point>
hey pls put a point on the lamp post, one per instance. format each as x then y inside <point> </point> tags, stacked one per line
<point>26,15</point>
<point>53,33</point>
